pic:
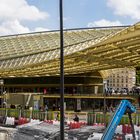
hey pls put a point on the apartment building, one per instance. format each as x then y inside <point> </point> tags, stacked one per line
<point>121,79</point>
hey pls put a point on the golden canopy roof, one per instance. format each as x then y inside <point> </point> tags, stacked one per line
<point>85,50</point>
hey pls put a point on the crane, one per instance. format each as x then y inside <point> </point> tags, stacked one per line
<point>124,107</point>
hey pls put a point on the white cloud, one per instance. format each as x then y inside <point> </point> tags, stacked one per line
<point>104,22</point>
<point>14,12</point>
<point>20,10</point>
<point>12,27</point>
<point>15,27</point>
<point>39,29</point>
<point>129,8</point>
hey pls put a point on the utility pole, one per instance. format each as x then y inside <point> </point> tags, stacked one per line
<point>104,94</point>
<point>61,72</point>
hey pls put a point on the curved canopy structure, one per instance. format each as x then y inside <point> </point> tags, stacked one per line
<point>85,50</point>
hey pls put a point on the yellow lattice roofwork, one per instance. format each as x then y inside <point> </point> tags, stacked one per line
<point>85,50</point>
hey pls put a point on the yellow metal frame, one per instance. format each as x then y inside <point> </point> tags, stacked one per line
<point>85,50</point>
<point>89,96</point>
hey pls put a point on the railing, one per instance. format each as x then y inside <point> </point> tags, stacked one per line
<point>99,118</point>
<point>100,95</point>
<point>88,117</point>
<point>86,95</point>
<point>50,115</point>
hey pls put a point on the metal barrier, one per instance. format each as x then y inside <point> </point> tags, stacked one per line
<point>99,118</point>
<point>50,115</point>
<point>89,117</point>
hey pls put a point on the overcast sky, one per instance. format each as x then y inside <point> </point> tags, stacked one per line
<point>23,16</point>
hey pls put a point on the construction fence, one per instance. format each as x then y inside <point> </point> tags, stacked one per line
<point>88,117</point>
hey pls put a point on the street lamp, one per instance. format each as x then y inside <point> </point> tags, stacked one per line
<point>4,102</point>
<point>1,84</point>
<point>104,94</point>
<point>61,72</point>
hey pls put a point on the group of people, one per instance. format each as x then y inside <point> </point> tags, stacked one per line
<point>45,108</point>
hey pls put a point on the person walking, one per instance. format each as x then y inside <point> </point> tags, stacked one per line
<point>46,111</point>
<point>58,116</point>
<point>76,118</point>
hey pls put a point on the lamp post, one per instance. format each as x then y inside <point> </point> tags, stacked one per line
<point>4,102</point>
<point>104,93</point>
<point>1,86</point>
<point>61,72</point>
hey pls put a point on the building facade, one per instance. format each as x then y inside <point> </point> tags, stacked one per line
<point>30,66</point>
<point>121,80</point>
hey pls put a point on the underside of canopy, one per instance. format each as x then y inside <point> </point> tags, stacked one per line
<point>85,50</point>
